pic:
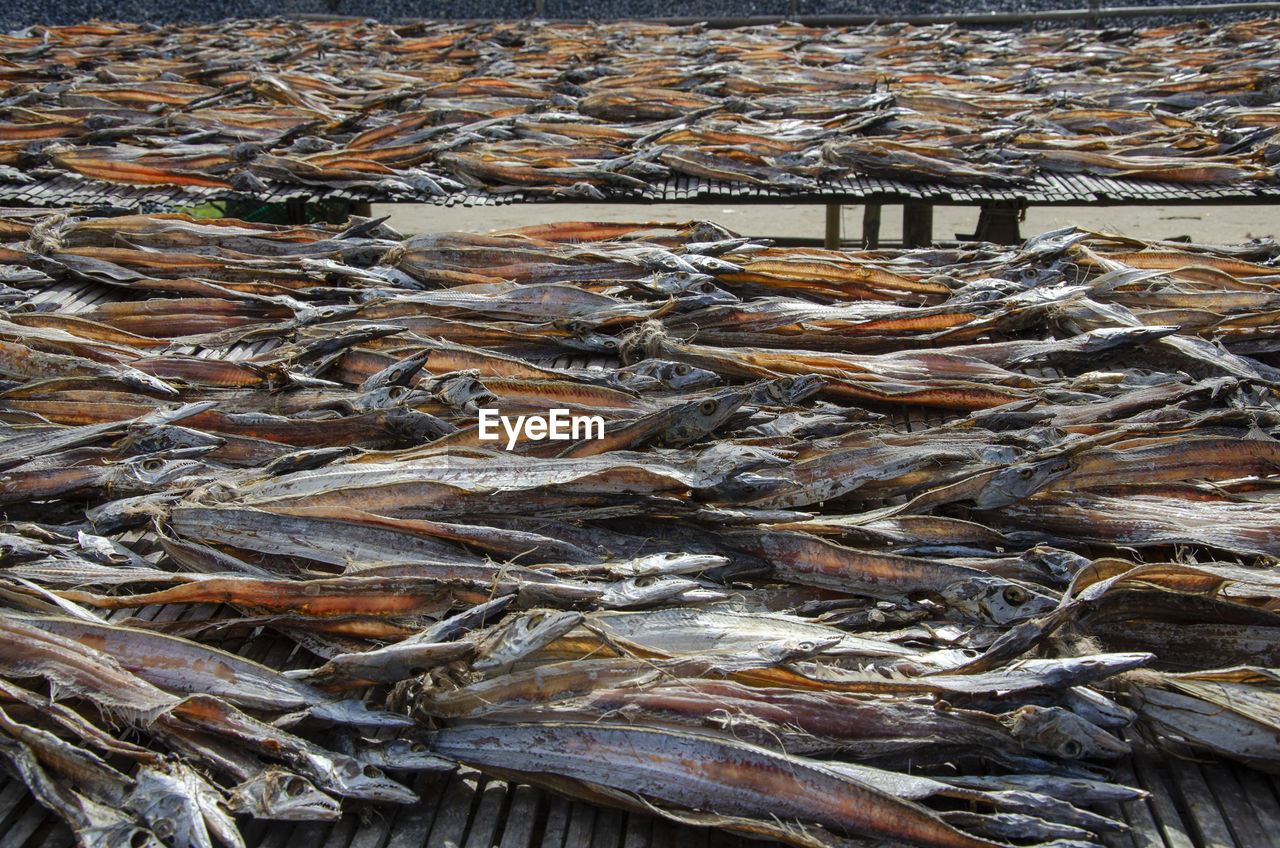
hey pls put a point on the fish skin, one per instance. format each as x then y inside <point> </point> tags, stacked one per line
<point>850,807</point>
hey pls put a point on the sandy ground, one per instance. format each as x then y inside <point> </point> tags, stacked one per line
<point>1221,224</point>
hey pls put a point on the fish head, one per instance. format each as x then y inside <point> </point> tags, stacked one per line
<point>150,438</point>
<point>701,417</point>
<point>1061,733</point>
<point>415,426</point>
<point>674,375</point>
<point>16,547</point>
<point>709,231</point>
<point>169,808</point>
<point>645,590</point>
<point>677,282</point>
<point>388,397</point>
<point>366,781</point>
<point>283,796</point>
<point>993,600</point>
<point>121,835</point>
<point>657,259</point>
<point>1035,274</point>
<point>588,340</point>
<point>147,473</point>
<point>667,563</point>
<point>308,315</point>
<point>130,511</point>
<point>406,754</point>
<point>682,375</point>
<point>139,381</point>
<point>522,635</point>
<point>986,288</point>
<point>461,390</point>
<point>787,391</point>
<point>245,181</point>
<point>712,264</point>
<point>633,382</point>
<point>1021,480</point>
<point>1059,564</point>
<point>782,651</point>
<point>708,296</point>
<point>746,487</point>
<point>1051,244</point>
<point>355,712</point>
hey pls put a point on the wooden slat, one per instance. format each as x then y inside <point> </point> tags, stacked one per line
<point>282,835</point>
<point>1144,832</point>
<point>664,834</point>
<point>557,822</point>
<point>639,827</point>
<point>56,835</point>
<point>1245,827</point>
<point>413,821</point>
<point>307,834</point>
<point>517,831</point>
<point>1163,806</point>
<point>13,800</point>
<point>1262,800</point>
<point>340,834</point>
<point>372,833</point>
<point>455,811</point>
<point>1206,820</point>
<point>608,828</point>
<point>16,834</point>
<point>488,816</point>
<point>582,820</point>
<point>254,830</point>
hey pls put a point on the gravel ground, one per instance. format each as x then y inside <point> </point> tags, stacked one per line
<point>15,14</point>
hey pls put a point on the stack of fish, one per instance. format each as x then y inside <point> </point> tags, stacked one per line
<point>598,110</point>
<point>866,544</point>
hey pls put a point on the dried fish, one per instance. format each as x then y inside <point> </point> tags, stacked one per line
<point>880,507</point>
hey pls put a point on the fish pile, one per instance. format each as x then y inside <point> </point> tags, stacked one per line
<point>888,545</point>
<point>615,109</point>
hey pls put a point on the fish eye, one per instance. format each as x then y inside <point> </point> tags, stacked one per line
<point>162,828</point>
<point>397,392</point>
<point>1015,595</point>
<point>708,407</point>
<point>418,748</point>
<point>644,582</point>
<point>295,786</point>
<point>1024,472</point>
<point>786,382</point>
<point>152,464</point>
<point>372,772</point>
<point>707,288</point>
<point>683,369</point>
<point>1071,748</point>
<point>671,555</point>
<point>682,275</point>
<point>806,645</point>
<point>139,839</point>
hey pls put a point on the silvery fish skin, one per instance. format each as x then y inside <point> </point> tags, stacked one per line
<point>669,775</point>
